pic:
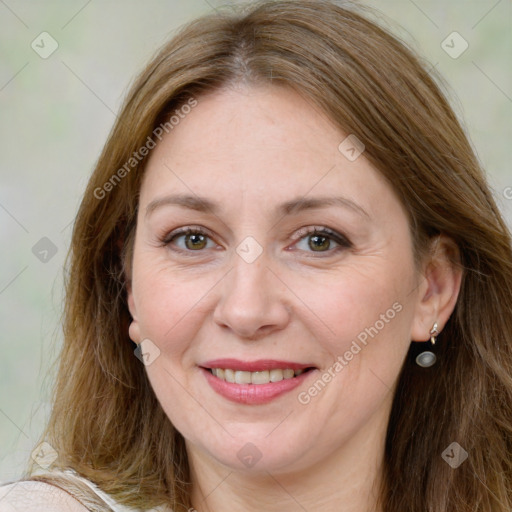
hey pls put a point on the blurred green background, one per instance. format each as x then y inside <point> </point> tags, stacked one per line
<point>56,112</point>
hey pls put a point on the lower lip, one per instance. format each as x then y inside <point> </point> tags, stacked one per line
<point>254,394</point>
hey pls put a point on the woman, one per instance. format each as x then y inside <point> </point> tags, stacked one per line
<point>261,374</point>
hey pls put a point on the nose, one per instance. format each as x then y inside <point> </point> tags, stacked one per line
<point>253,300</point>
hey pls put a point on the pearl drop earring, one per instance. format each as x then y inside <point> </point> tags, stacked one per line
<point>427,358</point>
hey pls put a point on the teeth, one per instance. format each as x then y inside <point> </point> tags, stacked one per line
<point>263,377</point>
<point>288,374</point>
<point>276,375</point>
<point>260,377</point>
<point>229,376</point>
<point>243,377</point>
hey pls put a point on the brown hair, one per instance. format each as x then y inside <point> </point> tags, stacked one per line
<point>107,423</point>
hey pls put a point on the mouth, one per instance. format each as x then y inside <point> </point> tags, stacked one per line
<point>256,382</point>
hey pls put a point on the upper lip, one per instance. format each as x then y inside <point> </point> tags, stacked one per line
<point>255,366</point>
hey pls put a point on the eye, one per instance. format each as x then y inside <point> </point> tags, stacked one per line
<point>191,238</point>
<point>321,240</point>
<point>195,239</point>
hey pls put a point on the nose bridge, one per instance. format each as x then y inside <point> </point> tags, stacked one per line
<point>251,299</point>
<point>248,281</point>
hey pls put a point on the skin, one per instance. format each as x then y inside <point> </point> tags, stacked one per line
<point>250,149</point>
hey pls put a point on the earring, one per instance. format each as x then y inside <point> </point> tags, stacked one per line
<point>427,358</point>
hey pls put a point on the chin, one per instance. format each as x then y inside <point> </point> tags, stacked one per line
<point>258,452</point>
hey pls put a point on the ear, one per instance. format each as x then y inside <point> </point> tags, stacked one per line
<point>134,329</point>
<point>439,289</point>
<point>126,246</point>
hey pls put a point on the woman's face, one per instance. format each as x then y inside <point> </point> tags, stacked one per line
<point>252,172</point>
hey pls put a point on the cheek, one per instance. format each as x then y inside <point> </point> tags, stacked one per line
<point>170,303</point>
<point>370,314</point>
<point>368,311</point>
<point>358,298</point>
<point>171,310</point>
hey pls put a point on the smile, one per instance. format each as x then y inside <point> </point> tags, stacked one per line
<point>254,383</point>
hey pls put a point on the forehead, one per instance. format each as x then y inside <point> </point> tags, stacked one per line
<point>265,121</point>
<point>257,142</point>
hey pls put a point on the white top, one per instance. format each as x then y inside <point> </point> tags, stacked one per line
<point>34,496</point>
<point>37,497</point>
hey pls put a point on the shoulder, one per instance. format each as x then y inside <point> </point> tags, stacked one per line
<point>31,496</point>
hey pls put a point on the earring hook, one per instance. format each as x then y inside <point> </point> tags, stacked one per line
<point>434,333</point>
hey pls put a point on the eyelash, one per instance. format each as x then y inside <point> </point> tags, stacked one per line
<point>342,241</point>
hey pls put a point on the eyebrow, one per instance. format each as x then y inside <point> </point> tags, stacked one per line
<point>294,206</point>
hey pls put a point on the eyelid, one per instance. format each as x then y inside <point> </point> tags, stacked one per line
<point>168,237</point>
<point>302,232</point>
